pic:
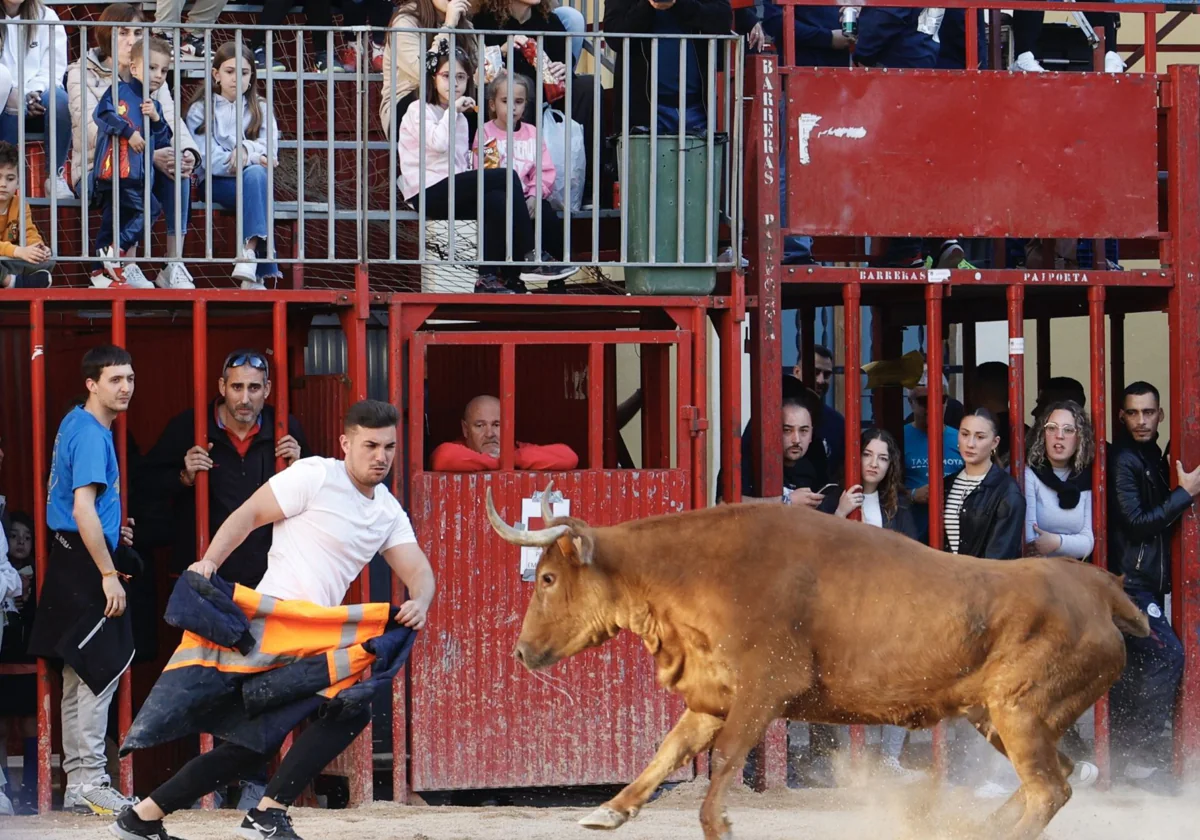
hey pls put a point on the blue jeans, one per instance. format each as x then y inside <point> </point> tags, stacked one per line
<point>573,21</point>
<point>1143,699</point>
<point>254,207</point>
<point>133,219</point>
<point>62,129</point>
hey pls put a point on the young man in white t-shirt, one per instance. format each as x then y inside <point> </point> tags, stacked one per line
<point>330,518</point>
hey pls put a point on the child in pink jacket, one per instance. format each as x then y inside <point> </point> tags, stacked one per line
<point>528,162</point>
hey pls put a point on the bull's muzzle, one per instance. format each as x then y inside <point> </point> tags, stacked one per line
<point>531,659</point>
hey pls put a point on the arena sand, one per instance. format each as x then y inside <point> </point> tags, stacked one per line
<point>877,812</point>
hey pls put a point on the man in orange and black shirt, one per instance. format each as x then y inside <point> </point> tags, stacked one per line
<point>239,458</point>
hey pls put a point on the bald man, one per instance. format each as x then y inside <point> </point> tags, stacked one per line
<point>479,447</point>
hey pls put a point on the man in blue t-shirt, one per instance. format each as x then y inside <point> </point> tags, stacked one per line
<point>82,584</point>
<point>916,453</point>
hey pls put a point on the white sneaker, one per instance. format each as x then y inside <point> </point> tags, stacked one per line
<point>892,767</point>
<point>175,276</point>
<point>134,278</point>
<point>254,285</point>
<point>59,188</point>
<point>113,274</point>
<point>104,799</point>
<point>1113,63</point>
<point>6,806</point>
<point>1084,775</point>
<point>246,271</point>
<point>1028,64</point>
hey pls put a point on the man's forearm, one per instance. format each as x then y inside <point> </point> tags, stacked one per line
<point>230,535</point>
<point>92,534</point>
<point>422,587</point>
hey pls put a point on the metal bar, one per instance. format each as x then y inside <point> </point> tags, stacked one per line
<point>148,134</point>
<point>22,187</point>
<point>272,141</point>
<point>935,364</point>
<point>852,363</point>
<point>731,403</point>
<point>330,160</point>
<point>700,403</point>
<point>623,171</point>
<point>1043,348</point>
<point>177,147</point>
<point>538,94</point>
<point>298,247</point>
<point>121,437</point>
<point>1096,298</point>
<point>508,393</point>
<point>82,137</point>
<point>595,405</point>
<point>480,120</point>
<point>399,697</point>
<point>200,438</point>
<point>683,393</point>
<point>972,39</point>
<point>37,396</point>
<point>710,133</point>
<point>653,215</point>
<point>1183,221</point>
<point>496,338</point>
<point>1116,364</point>
<point>680,139</point>
<point>209,111</point>
<point>423,213</point>
<point>568,197</point>
<point>1150,49</point>
<point>391,132</point>
<point>52,142</point>
<point>239,153</point>
<point>597,97</point>
<point>1016,382</point>
<point>280,386</point>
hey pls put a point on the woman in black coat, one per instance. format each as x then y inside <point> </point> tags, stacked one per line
<point>984,513</point>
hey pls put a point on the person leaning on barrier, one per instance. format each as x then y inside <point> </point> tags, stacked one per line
<point>87,80</point>
<point>479,447</point>
<point>238,456</point>
<point>1142,514</point>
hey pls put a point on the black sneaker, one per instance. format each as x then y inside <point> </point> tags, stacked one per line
<point>490,284</point>
<point>271,824</point>
<point>129,826</point>
<point>192,45</point>
<point>548,270</point>
<point>260,60</point>
<point>517,286</point>
<point>321,61</point>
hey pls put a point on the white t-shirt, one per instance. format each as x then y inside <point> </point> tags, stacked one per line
<point>331,531</point>
<point>872,514</point>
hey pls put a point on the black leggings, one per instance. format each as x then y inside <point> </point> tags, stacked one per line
<point>495,209</point>
<point>323,741</point>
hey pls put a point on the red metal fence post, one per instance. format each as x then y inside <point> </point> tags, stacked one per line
<point>934,365</point>
<point>200,438</point>
<point>37,393</point>
<point>120,432</point>
<point>595,406</point>
<point>700,404</point>
<point>1183,167</point>
<point>400,682</point>
<point>1096,297</point>
<point>852,364</point>
<point>1016,382</point>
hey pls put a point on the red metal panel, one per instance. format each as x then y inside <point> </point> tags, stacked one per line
<point>37,378</point>
<point>1016,382</point>
<point>934,364</point>
<point>320,403</point>
<point>478,719</point>
<point>917,152</point>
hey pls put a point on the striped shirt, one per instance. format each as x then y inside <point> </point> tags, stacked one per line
<point>964,485</point>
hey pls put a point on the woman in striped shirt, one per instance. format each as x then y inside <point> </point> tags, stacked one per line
<point>985,508</point>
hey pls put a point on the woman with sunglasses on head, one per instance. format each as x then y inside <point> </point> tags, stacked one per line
<point>1058,483</point>
<point>885,504</point>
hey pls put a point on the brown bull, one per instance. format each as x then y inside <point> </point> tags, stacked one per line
<point>755,612</point>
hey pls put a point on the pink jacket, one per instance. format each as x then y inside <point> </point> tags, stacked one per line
<point>525,162</point>
<point>436,156</point>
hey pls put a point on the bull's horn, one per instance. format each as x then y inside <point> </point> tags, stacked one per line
<point>547,514</point>
<point>540,538</point>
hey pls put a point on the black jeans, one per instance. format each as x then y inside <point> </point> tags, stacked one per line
<point>496,207</point>
<point>323,741</point>
<point>316,13</point>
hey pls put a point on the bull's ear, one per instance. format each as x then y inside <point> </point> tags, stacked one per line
<point>577,548</point>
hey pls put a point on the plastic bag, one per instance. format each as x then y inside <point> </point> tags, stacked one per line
<point>556,137</point>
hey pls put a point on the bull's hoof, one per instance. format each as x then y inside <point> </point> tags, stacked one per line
<point>605,819</point>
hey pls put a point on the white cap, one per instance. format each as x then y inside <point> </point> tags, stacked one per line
<point>923,382</point>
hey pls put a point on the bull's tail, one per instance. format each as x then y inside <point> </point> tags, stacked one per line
<point>1126,615</point>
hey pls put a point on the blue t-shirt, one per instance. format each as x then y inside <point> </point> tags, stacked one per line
<point>84,454</point>
<point>916,467</point>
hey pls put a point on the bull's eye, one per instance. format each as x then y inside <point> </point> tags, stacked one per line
<point>548,579</point>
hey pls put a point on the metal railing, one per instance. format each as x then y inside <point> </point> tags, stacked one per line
<point>339,222</point>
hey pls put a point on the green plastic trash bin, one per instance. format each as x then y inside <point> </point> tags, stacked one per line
<point>635,195</point>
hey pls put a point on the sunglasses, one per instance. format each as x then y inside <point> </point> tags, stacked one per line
<point>254,360</point>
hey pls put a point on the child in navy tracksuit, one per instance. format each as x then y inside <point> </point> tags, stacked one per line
<point>123,155</point>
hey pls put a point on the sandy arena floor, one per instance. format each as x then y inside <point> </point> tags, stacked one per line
<point>876,814</point>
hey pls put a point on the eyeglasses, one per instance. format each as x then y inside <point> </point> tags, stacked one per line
<point>1068,431</point>
<point>254,360</point>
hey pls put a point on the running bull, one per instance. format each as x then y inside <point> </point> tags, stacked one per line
<point>755,612</point>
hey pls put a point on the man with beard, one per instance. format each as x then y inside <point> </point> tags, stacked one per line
<point>330,517</point>
<point>239,456</point>
<point>1143,511</point>
<point>831,421</point>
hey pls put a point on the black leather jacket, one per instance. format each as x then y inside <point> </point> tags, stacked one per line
<point>1141,509</point>
<point>992,520</point>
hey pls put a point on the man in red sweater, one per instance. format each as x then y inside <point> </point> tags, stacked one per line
<point>479,448</point>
